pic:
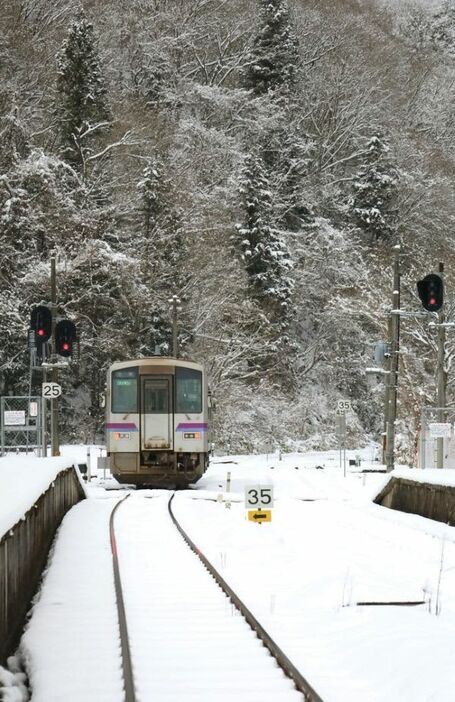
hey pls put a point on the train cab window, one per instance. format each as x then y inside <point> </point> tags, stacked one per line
<point>188,394</point>
<point>156,396</point>
<point>124,391</point>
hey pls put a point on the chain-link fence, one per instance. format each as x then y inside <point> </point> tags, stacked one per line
<point>437,423</point>
<point>21,427</point>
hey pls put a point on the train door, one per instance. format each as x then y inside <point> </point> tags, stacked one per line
<point>156,416</point>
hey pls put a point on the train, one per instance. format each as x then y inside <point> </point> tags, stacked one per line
<point>157,422</point>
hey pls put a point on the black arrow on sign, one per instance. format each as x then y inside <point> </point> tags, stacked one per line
<point>260,516</point>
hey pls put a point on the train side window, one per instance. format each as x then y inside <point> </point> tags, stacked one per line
<point>124,391</point>
<point>188,394</point>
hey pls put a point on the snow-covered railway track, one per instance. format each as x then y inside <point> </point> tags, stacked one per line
<point>182,637</point>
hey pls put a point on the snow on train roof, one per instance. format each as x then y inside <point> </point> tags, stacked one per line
<point>157,361</point>
<point>23,479</point>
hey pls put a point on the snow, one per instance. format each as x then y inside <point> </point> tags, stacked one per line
<point>429,475</point>
<point>304,575</point>
<point>23,479</point>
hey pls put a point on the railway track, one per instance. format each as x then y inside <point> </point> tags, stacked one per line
<point>185,634</point>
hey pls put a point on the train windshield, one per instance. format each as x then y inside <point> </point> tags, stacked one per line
<point>124,390</point>
<point>188,394</point>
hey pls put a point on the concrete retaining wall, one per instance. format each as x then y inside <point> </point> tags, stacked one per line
<point>426,499</point>
<point>23,554</point>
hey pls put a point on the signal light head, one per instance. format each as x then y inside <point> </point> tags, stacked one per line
<point>65,335</point>
<point>431,292</point>
<point>41,323</point>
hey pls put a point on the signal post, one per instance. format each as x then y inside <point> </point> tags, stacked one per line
<point>57,338</point>
<point>55,443</point>
<point>441,396</point>
<point>392,376</point>
<point>431,293</point>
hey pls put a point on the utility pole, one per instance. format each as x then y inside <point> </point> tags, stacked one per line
<point>387,356</point>
<point>44,419</point>
<point>175,302</point>
<point>392,375</point>
<point>55,443</point>
<point>441,394</point>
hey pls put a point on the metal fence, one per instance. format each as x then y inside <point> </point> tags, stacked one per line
<point>21,426</point>
<point>23,554</point>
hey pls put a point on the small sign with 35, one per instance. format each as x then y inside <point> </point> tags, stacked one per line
<point>343,406</point>
<point>259,497</point>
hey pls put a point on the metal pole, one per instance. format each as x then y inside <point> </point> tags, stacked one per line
<point>175,302</point>
<point>387,391</point>
<point>344,452</point>
<point>44,419</point>
<point>174,329</point>
<point>55,444</point>
<point>228,490</point>
<point>423,446</point>
<point>394,364</point>
<point>441,394</point>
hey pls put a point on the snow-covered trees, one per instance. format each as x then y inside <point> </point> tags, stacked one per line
<point>161,250</point>
<point>14,143</point>
<point>150,201</point>
<point>219,117</point>
<point>262,249</point>
<point>374,201</point>
<point>81,107</point>
<point>273,60</point>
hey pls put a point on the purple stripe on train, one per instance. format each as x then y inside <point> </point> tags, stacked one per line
<point>192,426</point>
<point>121,426</point>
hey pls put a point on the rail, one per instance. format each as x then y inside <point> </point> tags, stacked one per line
<point>128,679</point>
<point>300,683</point>
<point>283,661</point>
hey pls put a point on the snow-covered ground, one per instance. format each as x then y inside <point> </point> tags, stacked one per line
<point>327,549</point>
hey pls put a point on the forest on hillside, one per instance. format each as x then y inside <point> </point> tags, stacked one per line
<point>259,159</point>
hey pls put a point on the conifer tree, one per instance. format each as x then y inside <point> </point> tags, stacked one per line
<point>261,248</point>
<point>162,250</point>
<point>17,234</point>
<point>374,202</point>
<point>163,239</point>
<point>442,27</point>
<point>81,105</point>
<point>14,143</point>
<point>149,190</point>
<point>274,57</point>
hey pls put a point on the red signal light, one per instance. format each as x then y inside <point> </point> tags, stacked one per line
<point>41,324</point>
<point>431,292</point>
<point>65,335</point>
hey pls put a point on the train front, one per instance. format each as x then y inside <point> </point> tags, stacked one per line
<point>157,422</point>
